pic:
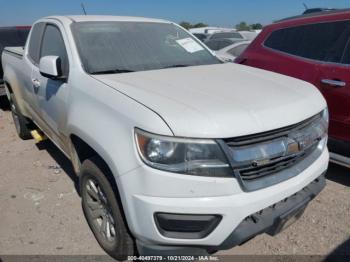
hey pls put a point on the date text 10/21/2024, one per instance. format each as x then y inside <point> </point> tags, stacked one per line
<point>173,258</point>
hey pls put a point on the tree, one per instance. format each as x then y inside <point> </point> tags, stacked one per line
<point>256,26</point>
<point>188,25</point>
<point>199,25</point>
<point>243,26</point>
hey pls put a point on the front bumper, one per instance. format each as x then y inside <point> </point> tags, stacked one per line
<point>147,191</point>
<point>270,220</point>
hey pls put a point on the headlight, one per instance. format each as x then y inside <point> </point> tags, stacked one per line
<point>325,115</point>
<point>199,157</point>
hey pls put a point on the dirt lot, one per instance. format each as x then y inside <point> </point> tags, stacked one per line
<point>40,212</point>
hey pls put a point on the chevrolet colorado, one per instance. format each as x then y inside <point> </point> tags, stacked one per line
<point>177,152</point>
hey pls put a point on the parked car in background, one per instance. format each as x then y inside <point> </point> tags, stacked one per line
<point>248,35</point>
<point>217,44</point>
<point>226,35</point>
<point>209,30</point>
<point>231,52</point>
<point>11,36</point>
<point>177,153</point>
<point>314,48</point>
<point>201,37</point>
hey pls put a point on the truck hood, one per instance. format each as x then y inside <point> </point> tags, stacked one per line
<point>220,101</point>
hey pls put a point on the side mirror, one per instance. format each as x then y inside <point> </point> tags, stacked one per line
<point>49,67</point>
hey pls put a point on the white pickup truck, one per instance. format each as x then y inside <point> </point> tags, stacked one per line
<point>177,152</point>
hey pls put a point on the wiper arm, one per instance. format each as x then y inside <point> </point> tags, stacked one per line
<point>173,66</point>
<point>112,71</point>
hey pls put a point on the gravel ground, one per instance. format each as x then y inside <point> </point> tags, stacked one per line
<point>40,212</point>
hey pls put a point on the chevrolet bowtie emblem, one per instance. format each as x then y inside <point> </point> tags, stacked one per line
<point>262,162</point>
<point>293,148</point>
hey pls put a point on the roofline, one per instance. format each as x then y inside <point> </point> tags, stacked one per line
<point>73,19</point>
<point>316,14</point>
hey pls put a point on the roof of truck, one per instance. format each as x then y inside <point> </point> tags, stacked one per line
<point>96,18</point>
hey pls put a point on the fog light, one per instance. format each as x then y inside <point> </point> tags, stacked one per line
<point>183,226</point>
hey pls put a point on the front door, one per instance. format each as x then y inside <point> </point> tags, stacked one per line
<point>52,94</point>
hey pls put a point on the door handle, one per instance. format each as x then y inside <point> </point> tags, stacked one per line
<point>36,84</point>
<point>335,83</point>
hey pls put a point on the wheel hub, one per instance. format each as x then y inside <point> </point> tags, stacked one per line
<point>100,211</point>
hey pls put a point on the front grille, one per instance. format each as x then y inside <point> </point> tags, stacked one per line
<point>275,166</point>
<point>251,172</point>
<point>269,135</point>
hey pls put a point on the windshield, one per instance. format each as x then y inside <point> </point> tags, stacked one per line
<point>121,47</point>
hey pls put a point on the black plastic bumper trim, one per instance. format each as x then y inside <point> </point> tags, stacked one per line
<point>271,220</point>
<point>186,226</point>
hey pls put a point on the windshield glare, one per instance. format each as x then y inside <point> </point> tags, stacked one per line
<point>121,47</point>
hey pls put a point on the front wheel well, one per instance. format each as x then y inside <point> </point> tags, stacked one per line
<point>84,151</point>
<point>8,86</point>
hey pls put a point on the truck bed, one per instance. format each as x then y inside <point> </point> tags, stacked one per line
<point>18,51</point>
<point>15,51</point>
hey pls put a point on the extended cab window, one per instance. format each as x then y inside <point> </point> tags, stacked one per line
<point>34,42</point>
<point>53,45</point>
<point>323,41</point>
<point>120,47</point>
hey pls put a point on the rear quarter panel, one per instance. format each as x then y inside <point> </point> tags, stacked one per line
<point>14,77</point>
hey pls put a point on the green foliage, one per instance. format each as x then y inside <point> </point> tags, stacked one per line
<point>188,25</point>
<point>243,26</point>
<point>257,26</point>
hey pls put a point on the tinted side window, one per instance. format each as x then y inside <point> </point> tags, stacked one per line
<point>224,43</point>
<point>34,42</point>
<point>213,45</point>
<point>346,56</point>
<point>53,44</point>
<point>323,41</point>
<point>238,50</point>
<point>226,35</point>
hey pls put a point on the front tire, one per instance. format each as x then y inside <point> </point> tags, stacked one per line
<point>20,122</point>
<point>102,210</point>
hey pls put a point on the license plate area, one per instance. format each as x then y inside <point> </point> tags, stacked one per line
<point>288,218</point>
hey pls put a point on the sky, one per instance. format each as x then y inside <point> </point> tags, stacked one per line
<point>212,12</point>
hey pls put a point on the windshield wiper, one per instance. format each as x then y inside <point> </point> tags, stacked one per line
<point>173,66</point>
<point>112,71</point>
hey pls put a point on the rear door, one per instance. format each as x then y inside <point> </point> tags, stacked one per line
<point>334,83</point>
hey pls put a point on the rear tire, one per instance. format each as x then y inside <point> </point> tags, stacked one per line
<point>103,211</point>
<point>20,122</point>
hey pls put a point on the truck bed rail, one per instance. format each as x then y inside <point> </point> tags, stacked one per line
<point>17,51</point>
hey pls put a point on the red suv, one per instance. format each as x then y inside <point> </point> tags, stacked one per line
<point>314,48</point>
